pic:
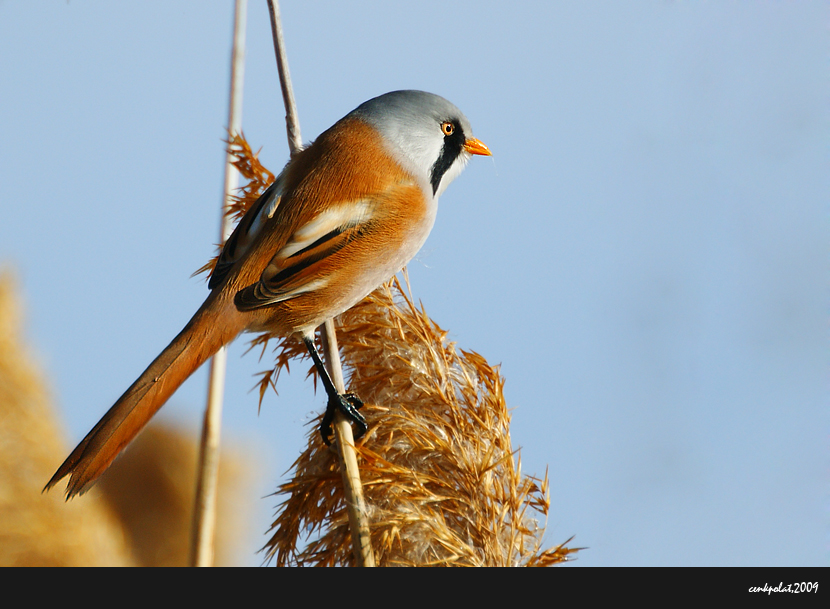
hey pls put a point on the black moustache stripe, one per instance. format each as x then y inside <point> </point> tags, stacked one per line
<point>453,145</point>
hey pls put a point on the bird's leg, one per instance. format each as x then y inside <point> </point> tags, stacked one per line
<point>347,403</point>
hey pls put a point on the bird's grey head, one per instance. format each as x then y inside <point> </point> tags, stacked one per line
<point>425,133</point>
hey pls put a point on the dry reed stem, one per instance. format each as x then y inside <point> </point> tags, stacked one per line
<point>344,440</point>
<point>207,472</point>
<point>292,121</point>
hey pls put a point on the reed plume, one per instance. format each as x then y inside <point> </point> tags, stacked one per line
<point>440,477</point>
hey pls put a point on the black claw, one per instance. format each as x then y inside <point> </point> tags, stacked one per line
<point>348,404</point>
<point>325,426</point>
<point>355,401</point>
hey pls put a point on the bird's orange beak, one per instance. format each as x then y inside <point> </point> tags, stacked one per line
<point>474,146</point>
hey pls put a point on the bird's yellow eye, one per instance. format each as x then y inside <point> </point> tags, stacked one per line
<point>447,127</point>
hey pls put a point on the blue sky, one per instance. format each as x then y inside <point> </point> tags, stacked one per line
<point>646,254</point>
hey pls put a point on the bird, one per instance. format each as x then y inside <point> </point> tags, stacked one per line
<point>346,213</point>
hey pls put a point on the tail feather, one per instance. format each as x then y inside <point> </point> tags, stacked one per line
<point>198,341</point>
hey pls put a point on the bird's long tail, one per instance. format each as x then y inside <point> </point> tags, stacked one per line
<point>215,324</point>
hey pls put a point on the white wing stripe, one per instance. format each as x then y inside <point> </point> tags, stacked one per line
<point>265,213</point>
<point>351,214</point>
<point>275,297</point>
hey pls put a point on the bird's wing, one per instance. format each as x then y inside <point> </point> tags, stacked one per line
<point>246,231</point>
<point>338,208</point>
<point>298,266</point>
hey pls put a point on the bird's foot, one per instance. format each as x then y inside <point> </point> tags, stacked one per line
<point>348,404</point>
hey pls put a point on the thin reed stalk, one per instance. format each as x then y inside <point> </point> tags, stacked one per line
<point>207,471</point>
<point>344,441</point>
